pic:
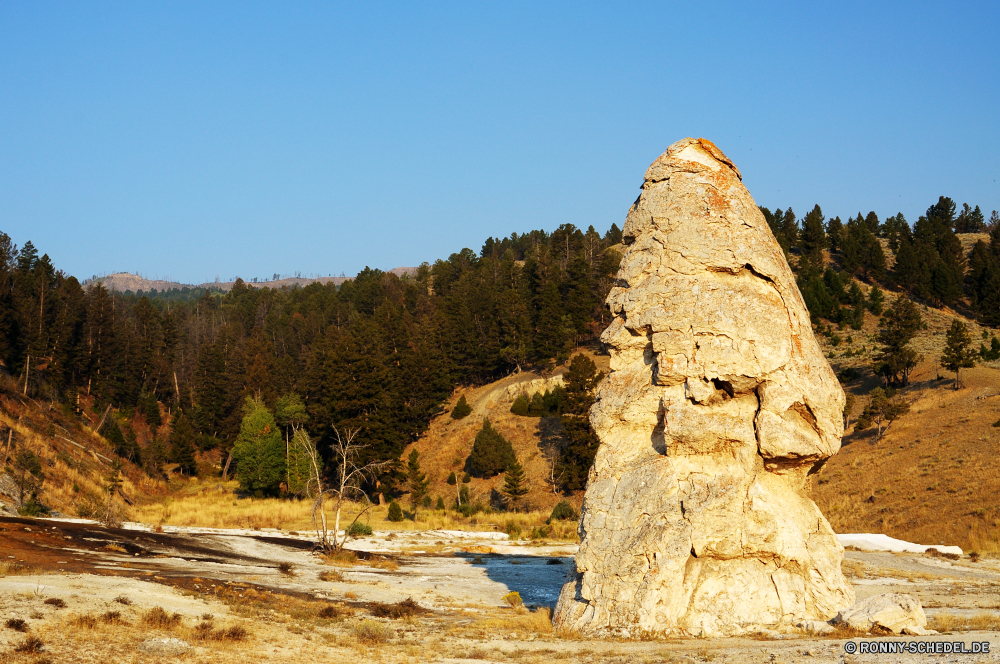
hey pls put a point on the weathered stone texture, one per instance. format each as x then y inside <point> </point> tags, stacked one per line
<point>719,404</point>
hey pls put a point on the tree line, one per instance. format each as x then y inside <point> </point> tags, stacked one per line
<point>379,354</point>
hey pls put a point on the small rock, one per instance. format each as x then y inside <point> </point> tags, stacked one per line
<point>890,611</point>
<point>918,631</point>
<point>167,647</point>
<point>817,627</point>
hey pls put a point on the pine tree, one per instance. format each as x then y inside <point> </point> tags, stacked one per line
<point>395,512</point>
<point>461,409</point>
<point>958,352</point>
<point>491,453</point>
<point>896,359</point>
<point>882,409</point>
<point>834,233</point>
<point>259,451</point>
<point>417,481</point>
<point>813,239</point>
<point>577,454</point>
<point>182,445</point>
<point>520,405</point>
<point>515,484</point>
<point>876,300</point>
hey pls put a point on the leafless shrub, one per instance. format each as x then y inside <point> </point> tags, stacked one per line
<point>114,618</point>
<point>286,568</point>
<point>17,624</point>
<point>158,618</point>
<point>56,602</point>
<point>403,609</point>
<point>32,644</point>
<point>123,600</point>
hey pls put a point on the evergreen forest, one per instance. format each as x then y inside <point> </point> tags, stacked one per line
<point>382,353</point>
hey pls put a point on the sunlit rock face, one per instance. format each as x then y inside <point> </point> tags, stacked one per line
<point>719,404</point>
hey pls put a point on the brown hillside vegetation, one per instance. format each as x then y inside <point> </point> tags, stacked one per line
<point>74,459</point>
<point>934,477</point>
<point>447,443</point>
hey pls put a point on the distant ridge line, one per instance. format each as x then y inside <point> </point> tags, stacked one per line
<point>124,281</point>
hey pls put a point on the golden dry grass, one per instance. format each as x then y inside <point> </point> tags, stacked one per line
<point>519,620</point>
<point>198,504</point>
<point>945,621</point>
<point>934,476</point>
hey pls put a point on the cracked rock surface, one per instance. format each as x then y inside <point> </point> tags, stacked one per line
<point>718,406</point>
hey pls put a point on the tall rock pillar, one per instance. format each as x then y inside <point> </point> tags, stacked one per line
<point>719,404</point>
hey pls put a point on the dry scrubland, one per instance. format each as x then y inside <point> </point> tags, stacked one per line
<point>934,477</point>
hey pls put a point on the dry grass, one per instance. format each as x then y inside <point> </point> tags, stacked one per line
<point>933,477</point>
<point>157,618</point>
<point>370,632</point>
<point>330,575</point>
<point>538,621</point>
<point>945,621</point>
<point>219,507</point>
<point>56,602</point>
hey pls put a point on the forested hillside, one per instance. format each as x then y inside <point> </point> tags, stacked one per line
<point>169,375</point>
<point>378,352</point>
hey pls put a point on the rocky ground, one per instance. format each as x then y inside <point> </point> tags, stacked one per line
<point>88,593</point>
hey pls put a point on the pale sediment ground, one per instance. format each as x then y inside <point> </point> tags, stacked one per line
<point>459,578</point>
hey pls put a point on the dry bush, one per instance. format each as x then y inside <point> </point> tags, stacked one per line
<point>32,644</point>
<point>157,618</point>
<point>513,599</point>
<point>335,611</point>
<point>117,548</point>
<point>945,621</point>
<point>17,624</point>
<point>343,558</point>
<point>403,609</point>
<point>369,632</point>
<point>123,600</point>
<point>286,568</point>
<point>205,631</point>
<point>84,621</point>
<point>383,562</point>
<point>114,618</point>
<point>56,602</point>
<point>984,621</point>
<point>350,595</point>
<point>330,575</point>
<point>538,621</point>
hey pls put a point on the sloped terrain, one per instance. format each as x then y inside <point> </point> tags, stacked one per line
<point>447,443</point>
<point>935,475</point>
<point>74,459</point>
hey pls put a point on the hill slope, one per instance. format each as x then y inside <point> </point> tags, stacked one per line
<point>446,444</point>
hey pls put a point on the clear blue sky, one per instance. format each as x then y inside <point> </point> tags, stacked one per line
<point>195,140</point>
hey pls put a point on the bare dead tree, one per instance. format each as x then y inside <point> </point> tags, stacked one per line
<point>349,475</point>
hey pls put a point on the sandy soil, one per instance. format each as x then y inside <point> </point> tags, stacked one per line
<point>457,579</point>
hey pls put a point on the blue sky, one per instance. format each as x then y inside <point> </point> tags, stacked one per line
<point>200,140</point>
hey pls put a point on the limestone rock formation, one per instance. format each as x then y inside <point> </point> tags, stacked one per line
<point>887,613</point>
<point>718,406</point>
